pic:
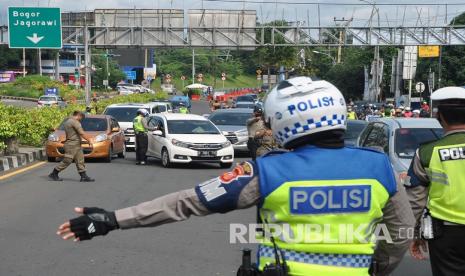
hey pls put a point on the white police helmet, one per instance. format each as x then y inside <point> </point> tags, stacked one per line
<point>448,93</point>
<point>142,111</point>
<point>299,106</point>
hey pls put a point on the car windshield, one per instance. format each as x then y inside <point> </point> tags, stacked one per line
<point>245,99</point>
<point>407,140</point>
<point>230,118</point>
<point>91,124</point>
<point>191,127</point>
<point>123,114</point>
<point>47,99</point>
<point>354,129</point>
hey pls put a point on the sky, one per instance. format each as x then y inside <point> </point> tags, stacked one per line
<point>394,15</point>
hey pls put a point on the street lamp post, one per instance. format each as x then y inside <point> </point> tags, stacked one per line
<point>326,54</point>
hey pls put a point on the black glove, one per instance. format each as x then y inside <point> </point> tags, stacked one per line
<point>94,222</point>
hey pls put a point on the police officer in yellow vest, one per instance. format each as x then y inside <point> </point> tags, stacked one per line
<point>335,195</point>
<point>140,129</point>
<point>437,182</point>
<point>351,115</point>
<point>183,109</point>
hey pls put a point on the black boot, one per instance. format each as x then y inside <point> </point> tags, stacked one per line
<point>85,177</point>
<point>54,176</point>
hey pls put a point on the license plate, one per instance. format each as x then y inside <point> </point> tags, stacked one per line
<point>207,153</point>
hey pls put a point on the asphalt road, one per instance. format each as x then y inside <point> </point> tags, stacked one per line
<point>19,103</point>
<point>31,208</point>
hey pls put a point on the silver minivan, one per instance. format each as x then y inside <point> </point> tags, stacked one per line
<point>399,138</point>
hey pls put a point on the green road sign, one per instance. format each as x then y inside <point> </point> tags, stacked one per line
<point>34,27</point>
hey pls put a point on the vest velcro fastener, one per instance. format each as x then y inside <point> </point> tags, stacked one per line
<point>327,259</point>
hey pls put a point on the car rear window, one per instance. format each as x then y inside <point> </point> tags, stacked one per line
<point>47,98</point>
<point>407,140</point>
<point>245,99</point>
<point>91,124</point>
<point>123,114</point>
<point>191,127</point>
<point>230,119</point>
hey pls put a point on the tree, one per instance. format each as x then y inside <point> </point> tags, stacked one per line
<point>99,61</point>
<point>9,57</point>
<point>269,57</point>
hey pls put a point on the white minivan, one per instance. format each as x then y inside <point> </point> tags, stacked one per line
<point>125,114</point>
<point>188,138</point>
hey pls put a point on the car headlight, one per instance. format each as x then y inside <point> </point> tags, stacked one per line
<point>225,144</point>
<point>53,137</point>
<point>180,144</point>
<point>242,133</point>
<point>101,137</point>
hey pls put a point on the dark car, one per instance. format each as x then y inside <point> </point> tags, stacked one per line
<point>354,128</point>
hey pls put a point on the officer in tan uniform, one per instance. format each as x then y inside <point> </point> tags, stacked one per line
<point>265,141</point>
<point>72,147</point>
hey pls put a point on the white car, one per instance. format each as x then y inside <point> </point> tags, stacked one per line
<point>125,114</point>
<point>188,138</point>
<point>51,100</point>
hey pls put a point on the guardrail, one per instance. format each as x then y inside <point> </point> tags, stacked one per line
<point>2,97</point>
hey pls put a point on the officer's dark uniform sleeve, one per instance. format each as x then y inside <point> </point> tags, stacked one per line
<point>237,189</point>
<point>418,187</point>
<point>399,222</point>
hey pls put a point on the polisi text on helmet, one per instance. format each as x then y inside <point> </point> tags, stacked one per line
<point>311,104</point>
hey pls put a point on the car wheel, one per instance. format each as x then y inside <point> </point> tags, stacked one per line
<point>51,159</point>
<point>226,165</point>
<point>121,154</point>
<point>110,155</point>
<point>165,158</point>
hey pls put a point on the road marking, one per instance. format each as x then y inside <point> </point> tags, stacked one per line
<point>8,175</point>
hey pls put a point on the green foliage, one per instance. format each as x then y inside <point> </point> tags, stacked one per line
<point>100,63</point>
<point>33,86</point>
<point>32,126</point>
<point>133,98</point>
<point>177,62</point>
<point>273,57</point>
<point>9,58</point>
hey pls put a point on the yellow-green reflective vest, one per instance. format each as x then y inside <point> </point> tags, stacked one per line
<point>447,175</point>
<point>183,110</point>
<point>328,203</point>
<point>351,115</point>
<point>137,124</point>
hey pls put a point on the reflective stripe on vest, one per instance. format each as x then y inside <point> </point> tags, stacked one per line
<point>447,175</point>
<point>343,260</point>
<point>339,192</point>
<point>137,124</point>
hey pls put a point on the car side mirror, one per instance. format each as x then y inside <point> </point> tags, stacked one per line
<point>206,116</point>
<point>115,129</point>
<point>157,133</point>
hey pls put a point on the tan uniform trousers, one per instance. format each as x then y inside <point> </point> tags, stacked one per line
<point>72,153</point>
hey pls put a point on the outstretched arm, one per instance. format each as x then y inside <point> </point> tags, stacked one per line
<point>233,190</point>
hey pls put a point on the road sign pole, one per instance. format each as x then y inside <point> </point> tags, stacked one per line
<point>409,91</point>
<point>87,65</point>
<point>24,62</point>
<point>193,66</point>
<point>107,73</point>
<point>39,53</point>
